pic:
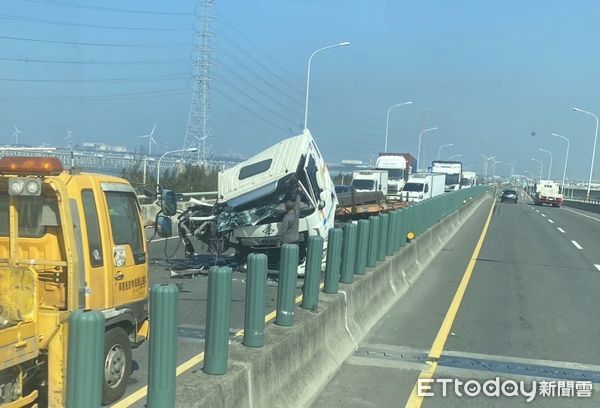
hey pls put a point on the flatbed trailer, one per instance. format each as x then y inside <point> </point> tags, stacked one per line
<point>366,210</point>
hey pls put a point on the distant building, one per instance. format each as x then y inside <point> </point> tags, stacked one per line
<point>103,147</point>
<point>352,162</point>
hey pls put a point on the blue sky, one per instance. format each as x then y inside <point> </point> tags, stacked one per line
<point>488,74</point>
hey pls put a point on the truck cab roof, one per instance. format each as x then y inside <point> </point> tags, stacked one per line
<point>260,171</point>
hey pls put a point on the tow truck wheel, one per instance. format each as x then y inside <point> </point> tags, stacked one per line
<point>117,364</point>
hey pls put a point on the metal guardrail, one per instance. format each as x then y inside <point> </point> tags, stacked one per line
<point>192,194</point>
<point>582,200</point>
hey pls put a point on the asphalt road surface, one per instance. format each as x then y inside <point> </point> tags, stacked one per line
<point>528,312</point>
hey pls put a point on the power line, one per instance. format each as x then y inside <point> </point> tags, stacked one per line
<point>245,107</point>
<point>262,93</point>
<point>110,9</point>
<point>298,80</point>
<point>79,62</point>
<point>129,95</point>
<point>245,119</point>
<point>255,101</point>
<point>72,24</point>
<point>130,79</point>
<point>341,119</point>
<point>41,40</point>
<point>247,69</point>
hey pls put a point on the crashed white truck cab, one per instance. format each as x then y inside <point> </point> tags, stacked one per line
<point>252,196</point>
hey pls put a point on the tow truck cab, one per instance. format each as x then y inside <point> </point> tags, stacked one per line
<point>68,241</point>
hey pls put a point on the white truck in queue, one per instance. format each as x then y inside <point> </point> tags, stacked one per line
<point>399,167</point>
<point>453,171</point>
<point>421,186</point>
<point>469,179</point>
<point>548,192</point>
<point>370,180</point>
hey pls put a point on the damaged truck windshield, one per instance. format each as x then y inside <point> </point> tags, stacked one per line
<point>263,205</point>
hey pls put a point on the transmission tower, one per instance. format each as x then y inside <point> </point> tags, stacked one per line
<point>198,126</point>
<point>425,123</point>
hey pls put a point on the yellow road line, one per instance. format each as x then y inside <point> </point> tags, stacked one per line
<point>415,401</point>
<point>187,365</point>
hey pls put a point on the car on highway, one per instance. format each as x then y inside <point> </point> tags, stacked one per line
<point>509,195</point>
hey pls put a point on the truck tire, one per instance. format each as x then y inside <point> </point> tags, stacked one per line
<point>117,364</point>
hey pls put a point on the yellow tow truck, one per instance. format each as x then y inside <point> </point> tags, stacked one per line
<point>68,241</point>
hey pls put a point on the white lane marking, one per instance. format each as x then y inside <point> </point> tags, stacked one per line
<point>537,211</point>
<point>163,239</point>
<point>576,245</point>
<point>597,266</point>
<point>560,229</point>
<point>543,215</point>
<point>550,221</point>
<point>583,215</point>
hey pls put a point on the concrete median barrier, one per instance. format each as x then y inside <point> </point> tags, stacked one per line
<point>296,361</point>
<point>591,206</point>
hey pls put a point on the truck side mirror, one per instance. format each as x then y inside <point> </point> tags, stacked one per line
<point>164,226</point>
<point>168,202</point>
<point>323,196</point>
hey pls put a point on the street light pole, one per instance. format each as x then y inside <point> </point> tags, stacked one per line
<point>387,121</point>
<point>190,150</point>
<point>593,150</point>
<point>343,44</point>
<point>541,166</point>
<point>443,147</point>
<point>551,158</point>
<point>566,160</point>
<point>420,143</point>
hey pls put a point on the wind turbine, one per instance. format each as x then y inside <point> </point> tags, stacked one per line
<point>68,139</point>
<point>16,133</point>
<point>150,137</point>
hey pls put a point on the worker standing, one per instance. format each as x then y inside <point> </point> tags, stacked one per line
<point>291,222</point>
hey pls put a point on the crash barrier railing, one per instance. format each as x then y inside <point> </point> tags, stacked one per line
<point>192,194</point>
<point>581,204</point>
<point>582,200</point>
<point>350,251</point>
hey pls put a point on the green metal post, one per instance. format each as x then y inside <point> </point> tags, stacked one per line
<point>362,246</point>
<point>373,241</point>
<point>391,236</point>
<point>397,227</point>
<point>256,287</point>
<point>419,211</point>
<point>162,362</point>
<point>334,259</point>
<point>312,276</point>
<point>216,343</point>
<point>348,253</point>
<point>383,241</point>
<point>85,359</point>
<point>410,220</point>
<point>426,215</point>
<point>286,292</point>
<point>402,227</point>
